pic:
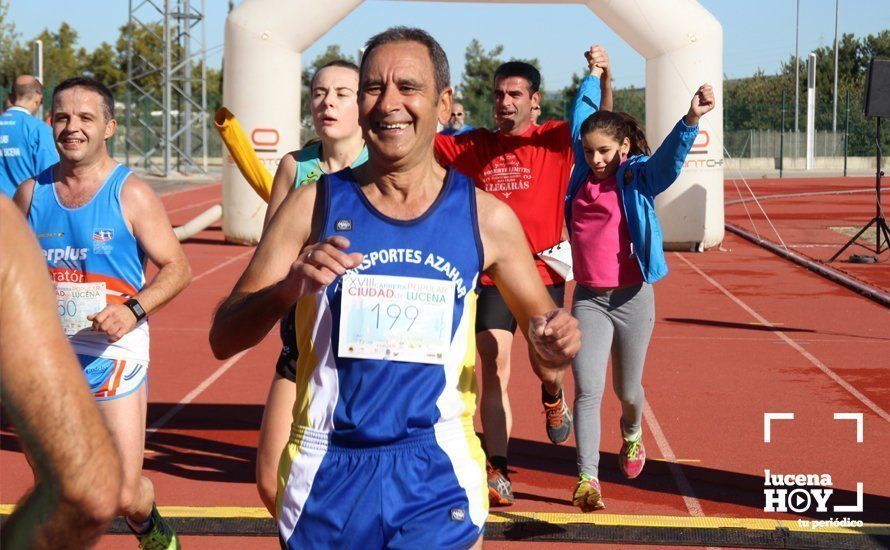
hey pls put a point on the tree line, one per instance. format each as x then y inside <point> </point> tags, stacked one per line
<point>750,103</point>
<point>63,58</point>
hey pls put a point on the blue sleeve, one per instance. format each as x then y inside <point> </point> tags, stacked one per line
<point>45,153</point>
<point>586,103</point>
<point>664,166</point>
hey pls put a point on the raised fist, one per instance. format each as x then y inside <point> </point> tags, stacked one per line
<point>702,102</point>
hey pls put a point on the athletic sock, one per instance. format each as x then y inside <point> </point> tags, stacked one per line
<point>139,527</point>
<point>499,463</point>
<point>547,398</point>
<point>630,437</point>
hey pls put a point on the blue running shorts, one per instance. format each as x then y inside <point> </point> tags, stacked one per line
<point>112,378</point>
<point>426,491</point>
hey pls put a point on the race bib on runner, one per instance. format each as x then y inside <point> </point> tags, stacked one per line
<point>77,300</point>
<point>395,318</point>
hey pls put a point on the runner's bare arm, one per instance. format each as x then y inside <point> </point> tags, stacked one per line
<point>149,223</point>
<point>281,184</point>
<point>283,269</point>
<point>76,462</point>
<point>552,333</point>
<point>23,194</point>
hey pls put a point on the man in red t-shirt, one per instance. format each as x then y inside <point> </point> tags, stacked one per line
<point>528,167</point>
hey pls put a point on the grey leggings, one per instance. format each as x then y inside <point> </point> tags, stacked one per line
<point>617,321</point>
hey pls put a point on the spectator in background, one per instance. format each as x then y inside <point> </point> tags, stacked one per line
<point>457,124</point>
<point>27,146</point>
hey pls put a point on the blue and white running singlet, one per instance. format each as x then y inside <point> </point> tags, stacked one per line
<point>94,260</point>
<point>382,451</point>
<point>27,148</point>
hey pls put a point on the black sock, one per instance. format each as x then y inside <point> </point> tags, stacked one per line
<point>547,398</point>
<point>499,463</point>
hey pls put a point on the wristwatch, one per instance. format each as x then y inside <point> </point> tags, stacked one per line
<point>134,306</point>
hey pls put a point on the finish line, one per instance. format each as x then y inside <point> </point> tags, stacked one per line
<point>564,527</point>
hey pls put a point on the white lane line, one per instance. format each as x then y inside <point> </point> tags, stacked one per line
<point>784,337</point>
<point>880,341</point>
<point>194,205</point>
<point>222,265</point>
<point>159,423</point>
<point>213,377</point>
<point>689,498</point>
<point>802,245</point>
<point>204,329</point>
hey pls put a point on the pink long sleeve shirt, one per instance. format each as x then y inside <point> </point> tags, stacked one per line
<point>602,254</point>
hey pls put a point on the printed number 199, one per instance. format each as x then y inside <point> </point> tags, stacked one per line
<point>394,312</point>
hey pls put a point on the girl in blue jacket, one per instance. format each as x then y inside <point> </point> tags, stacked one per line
<point>617,254</point>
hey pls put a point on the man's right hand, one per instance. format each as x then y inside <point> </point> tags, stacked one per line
<point>318,265</point>
<point>597,60</point>
<point>555,338</point>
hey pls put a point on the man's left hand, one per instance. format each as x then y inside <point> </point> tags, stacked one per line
<point>597,60</point>
<point>115,320</point>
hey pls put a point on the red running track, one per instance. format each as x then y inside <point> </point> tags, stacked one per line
<point>738,333</point>
<point>805,213</point>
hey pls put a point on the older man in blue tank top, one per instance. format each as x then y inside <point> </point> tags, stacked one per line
<point>382,262</point>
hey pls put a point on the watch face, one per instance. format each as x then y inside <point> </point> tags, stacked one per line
<point>136,308</point>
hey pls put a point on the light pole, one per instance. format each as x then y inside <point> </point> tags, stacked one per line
<point>834,112</point>
<point>38,70</point>
<point>796,78</point>
<point>811,109</point>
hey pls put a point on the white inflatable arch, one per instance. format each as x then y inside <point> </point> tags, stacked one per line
<point>681,41</point>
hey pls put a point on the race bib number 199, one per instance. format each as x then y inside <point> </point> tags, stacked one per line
<point>396,318</point>
<point>77,300</point>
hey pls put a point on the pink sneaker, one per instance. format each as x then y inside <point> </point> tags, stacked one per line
<point>588,495</point>
<point>632,457</point>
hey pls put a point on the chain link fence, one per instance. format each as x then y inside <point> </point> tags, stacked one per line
<point>768,130</point>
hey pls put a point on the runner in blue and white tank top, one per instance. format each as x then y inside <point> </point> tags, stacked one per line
<point>340,145</point>
<point>94,260</point>
<point>97,224</point>
<point>422,406</point>
<point>382,262</point>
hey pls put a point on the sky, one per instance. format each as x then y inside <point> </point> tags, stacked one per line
<point>758,34</point>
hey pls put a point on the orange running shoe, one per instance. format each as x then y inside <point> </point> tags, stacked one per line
<point>500,491</point>
<point>559,420</point>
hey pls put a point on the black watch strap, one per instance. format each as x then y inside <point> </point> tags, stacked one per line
<point>134,306</point>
